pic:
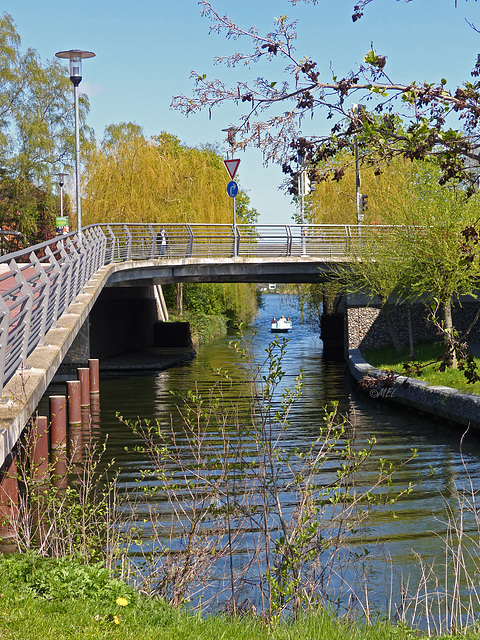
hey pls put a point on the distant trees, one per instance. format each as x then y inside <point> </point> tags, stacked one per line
<point>26,209</point>
<point>36,134</point>
<point>235,301</point>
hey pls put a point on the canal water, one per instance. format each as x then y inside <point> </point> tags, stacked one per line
<point>398,544</point>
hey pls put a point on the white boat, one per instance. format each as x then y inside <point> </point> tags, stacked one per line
<point>282,325</point>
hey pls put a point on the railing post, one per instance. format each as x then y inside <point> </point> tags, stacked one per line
<point>153,243</point>
<point>129,242</point>
<point>26,291</point>
<point>288,232</point>
<point>189,251</point>
<point>45,297</point>
<point>4,323</point>
<point>113,240</point>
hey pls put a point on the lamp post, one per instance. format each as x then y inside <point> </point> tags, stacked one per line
<point>61,182</point>
<point>75,56</point>
<point>355,111</point>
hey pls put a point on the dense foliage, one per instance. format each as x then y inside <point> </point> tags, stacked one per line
<point>236,301</point>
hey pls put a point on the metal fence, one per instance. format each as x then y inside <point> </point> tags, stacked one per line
<point>141,241</point>
<point>38,284</point>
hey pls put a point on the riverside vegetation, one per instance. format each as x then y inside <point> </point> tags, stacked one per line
<point>238,557</point>
<point>426,365</point>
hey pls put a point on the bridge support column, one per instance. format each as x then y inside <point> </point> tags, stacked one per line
<point>8,505</point>
<point>58,439</point>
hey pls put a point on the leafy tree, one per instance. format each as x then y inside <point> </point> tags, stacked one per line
<point>37,119</point>
<point>36,133</point>
<point>274,106</point>
<point>27,209</point>
<point>235,301</point>
<point>432,255</point>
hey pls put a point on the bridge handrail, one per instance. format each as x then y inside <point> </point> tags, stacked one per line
<point>38,284</point>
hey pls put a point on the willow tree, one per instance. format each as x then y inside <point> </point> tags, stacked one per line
<point>431,255</point>
<point>391,193</point>
<point>132,178</point>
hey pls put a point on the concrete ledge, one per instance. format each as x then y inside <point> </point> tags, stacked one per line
<point>443,402</point>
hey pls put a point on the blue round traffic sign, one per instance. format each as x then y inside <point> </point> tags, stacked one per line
<point>232,188</point>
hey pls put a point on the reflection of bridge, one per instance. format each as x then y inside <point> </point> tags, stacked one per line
<point>47,291</point>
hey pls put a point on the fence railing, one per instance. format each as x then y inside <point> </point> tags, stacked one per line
<point>38,284</point>
<point>140,241</point>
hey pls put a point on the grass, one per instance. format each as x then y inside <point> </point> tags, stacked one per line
<point>39,600</point>
<point>388,358</point>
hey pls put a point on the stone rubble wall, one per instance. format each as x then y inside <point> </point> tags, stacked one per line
<point>366,326</point>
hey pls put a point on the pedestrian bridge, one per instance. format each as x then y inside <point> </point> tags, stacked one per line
<point>47,291</point>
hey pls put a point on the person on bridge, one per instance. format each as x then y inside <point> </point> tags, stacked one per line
<point>161,242</point>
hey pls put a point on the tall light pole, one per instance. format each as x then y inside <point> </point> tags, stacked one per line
<point>75,56</point>
<point>355,110</point>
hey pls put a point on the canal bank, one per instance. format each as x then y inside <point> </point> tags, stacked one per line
<point>443,402</point>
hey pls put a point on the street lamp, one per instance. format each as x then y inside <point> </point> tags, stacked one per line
<point>61,181</point>
<point>75,56</point>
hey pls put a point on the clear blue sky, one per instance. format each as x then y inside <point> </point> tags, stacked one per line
<point>146,49</point>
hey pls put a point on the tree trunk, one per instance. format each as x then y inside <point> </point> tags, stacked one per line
<point>180,299</point>
<point>391,328</point>
<point>410,331</point>
<point>450,355</point>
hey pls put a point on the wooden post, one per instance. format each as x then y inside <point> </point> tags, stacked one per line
<point>74,388</point>
<point>84,377</point>
<point>74,402</point>
<point>8,505</point>
<point>94,368</point>
<point>40,448</point>
<point>58,439</point>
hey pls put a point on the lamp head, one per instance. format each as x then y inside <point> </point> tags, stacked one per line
<point>75,57</point>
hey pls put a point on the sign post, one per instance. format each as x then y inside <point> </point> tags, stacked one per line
<point>232,190</point>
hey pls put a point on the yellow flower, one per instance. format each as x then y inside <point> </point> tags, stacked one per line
<point>116,619</point>
<point>122,602</point>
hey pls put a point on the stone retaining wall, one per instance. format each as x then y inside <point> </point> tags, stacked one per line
<point>366,327</point>
<point>448,404</point>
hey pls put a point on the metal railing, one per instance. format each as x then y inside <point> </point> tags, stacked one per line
<point>38,284</point>
<point>139,241</point>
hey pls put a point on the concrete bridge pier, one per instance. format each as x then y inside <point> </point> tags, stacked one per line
<point>8,504</point>
<point>332,323</point>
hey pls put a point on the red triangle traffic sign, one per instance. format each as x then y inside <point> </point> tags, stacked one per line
<point>231,166</point>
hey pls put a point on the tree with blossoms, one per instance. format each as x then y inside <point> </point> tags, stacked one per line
<point>409,119</point>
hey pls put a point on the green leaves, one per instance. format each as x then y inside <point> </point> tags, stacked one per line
<point>375,59</point>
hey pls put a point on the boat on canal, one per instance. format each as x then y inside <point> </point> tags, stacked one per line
<point>282,325</point>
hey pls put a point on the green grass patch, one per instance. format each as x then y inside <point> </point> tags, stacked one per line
<point>388,358</point>
<point>43,598</point>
